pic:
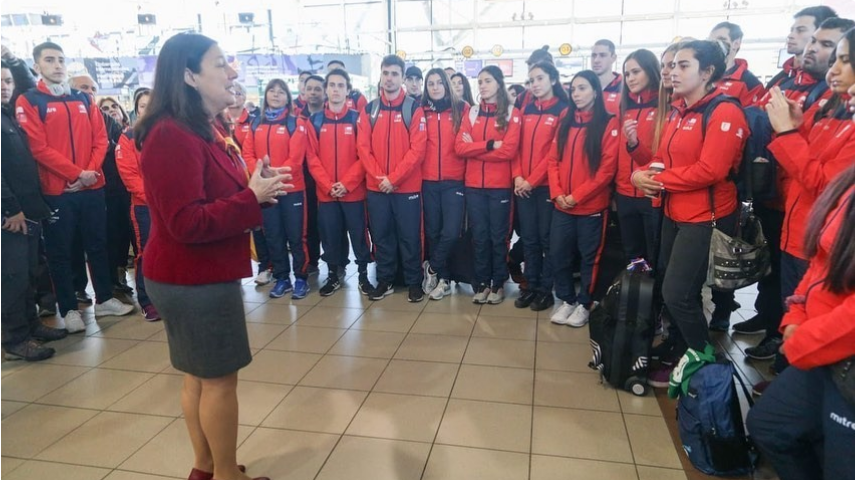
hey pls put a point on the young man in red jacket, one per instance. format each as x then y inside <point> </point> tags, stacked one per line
<point>603,58</point>
<point>392,139</point>
<point>738,81</point>
<point>355,99</point>
<point>805,23</point>
<point>67,137</point>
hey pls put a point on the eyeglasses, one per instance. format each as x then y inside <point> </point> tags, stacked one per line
<point>107,108</point>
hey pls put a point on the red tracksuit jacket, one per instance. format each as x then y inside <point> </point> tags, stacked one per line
<point>811,164</point>
<point>128,163</point>
<point>332,155</point>
<point>571,175</point>
<point>66,135</point>
<point>356,101</point>
<point>388,149</point>
<point>642,108</point>
<point>740,83</point>
<point>540,121</point>
<point>242,128</point>
<point>695,162</point>
<point>285,149</point>
<point>826,321</point>
<point>441,161</point>
<point>611,94</point>
<point>485,167</point>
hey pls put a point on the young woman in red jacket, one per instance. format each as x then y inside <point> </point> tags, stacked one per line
<point>280,136</point>
<point>582,164</point>
<point>639,220</point>
<point>488,139</point>
<point>442,180</point>
<point>540,120</point>
<point>697,194</point>
<point>804,408</point>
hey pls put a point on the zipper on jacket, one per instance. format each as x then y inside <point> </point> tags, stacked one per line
<point>483,163</point>
<point>71,134</point>
<point>637,120</point>
<point>533,137</point>
<point>790,219</point>
<point>335,151</point>
<point>572,155</point>
<point>269,129</point>
<point>389,142</point>
<point>670,156</point>
<point>439,152</point>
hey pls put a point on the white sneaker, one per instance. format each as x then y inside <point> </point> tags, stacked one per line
<point>74,322</point>
<point>430,280</point>
<point>442,289</point>
<point>481,297</point>
<point>563,313</point>
<point>264,277</point>
<point>112,307</point>
<point>496,297</point>
<point>579,317</point>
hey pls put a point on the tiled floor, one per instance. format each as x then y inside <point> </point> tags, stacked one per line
<point>343,388</point>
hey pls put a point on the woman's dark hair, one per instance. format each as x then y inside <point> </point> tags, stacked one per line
<point>596,128</point>
<point>138,95</point>
<point>277,82</point>
<point>503,100</point>
<point>467,89</point>
<point>452,98</point>
<point>709,54</point>
<point>540,55</point>
<point>650,64</point>
<point>126,120</point>
<point>835,102</point>
<point>340,73</point>
<point>172,96</point>
<point>552,72</point>
<point>841,262</point>
<point>518,89</point>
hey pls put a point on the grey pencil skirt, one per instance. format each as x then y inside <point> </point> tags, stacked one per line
<point>205,326</point>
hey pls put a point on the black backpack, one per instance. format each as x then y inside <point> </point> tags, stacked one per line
<point>407,109</point>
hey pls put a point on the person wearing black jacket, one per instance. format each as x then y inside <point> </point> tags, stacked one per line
<point>23,208</point>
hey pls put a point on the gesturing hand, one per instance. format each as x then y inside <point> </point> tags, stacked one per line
<point>385,185</point>
<point>645,181</point>
<point>630,130</point>
<point>784,114</point>
<point>16,223</point>
<point>266,189</point>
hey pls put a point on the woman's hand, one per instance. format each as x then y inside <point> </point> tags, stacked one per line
<point>630,131</point>
<point>466,138</point>
<point>522,188</point>
<point>561,202</point>
<point>266,189</point>
<point>784,114</point>
<point>645,181</point>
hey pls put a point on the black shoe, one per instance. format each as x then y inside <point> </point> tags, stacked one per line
<point>83,297</point>
<point>765,350</point>
<point>383,289</point>
<point>525,299</point>
<point>44,333</point>
<point>543,301</point>
<point>720,321</point>
<point>333,284</point>
<point>753,326</point>
<point>341,272</point>
<point>365,286</point>
<point>29,350</point>
<point>416,294</point>
<point>47,310</point>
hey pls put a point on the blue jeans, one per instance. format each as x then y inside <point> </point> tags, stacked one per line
<point>395,220</point>
<point>576,238</point>
<point>284,228</point>
<point>535,214</point>
<point>445,206</point>
<point>336,220</point>
<point>142,225</point>
<point>490,214</point>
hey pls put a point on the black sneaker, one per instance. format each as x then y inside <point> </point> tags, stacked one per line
<point>365,286</point>
<point>720,321</point>
<point>543,301</point>
<point>382,291</point>
<point>765,350</point>
<point>416,294</point>
<point>30,351</point>
<point>753,326</point>
<point>83,297</point>
<point>525,299</point>
<point>333,284</point>
<point>44,333</point>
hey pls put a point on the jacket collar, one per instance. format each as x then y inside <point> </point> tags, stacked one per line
<point>393,103</point>
<point>583,117</point>
<point>547,104</point>
<point>739,68</point>
<point>646,96</point>
<point>680,103</point>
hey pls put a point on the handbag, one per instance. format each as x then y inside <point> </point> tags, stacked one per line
<point>843,375</point>
<point>742,260</point>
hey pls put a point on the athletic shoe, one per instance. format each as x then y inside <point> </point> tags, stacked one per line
<point>660,377</point>
<point>720,321</point>
<point>281,287</point>
<point>112,307</point>
<point>312,269</point>
<point>765,350</point>
<point>416,294</point>
<point>264,277</point>
<point>442,289</point>
<point>365,286</point>
<point>29,351</point>
<point>83,297</point>
<point>46,310</point>
<point>74,322</point>
<point>760,387</point>
<point>563,313</point>
<point>382,291</point>
<point>496,296</point>
<point>301,289</point>
<point>753,326</point>
<point>333,284</point>
<point>43,333</point>
<point>481,294</point>
<point>430,280</point>
<point>525,299</point>
<point>543,301</point>
<point>579,318</point>
<point>150,314</point>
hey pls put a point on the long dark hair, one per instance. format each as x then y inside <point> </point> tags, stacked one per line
<point>841,262</point>
<point>650,64</point>
<point>171,96</point>
<point>596,128</point>
<point>467,89</point>
<point>503,101</point>
<point>277,82</point>
<point>552,72</point>
<point>452,98</point>
<point>836,101</point>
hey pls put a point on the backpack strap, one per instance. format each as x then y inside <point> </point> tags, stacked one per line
<point>473,114</point>
<point>291,124</point>
<point>317,120</point>
<point>710,108</point>
<point>407,110</point>
<point>373,109</point>
<point>255,123</point>
<point>817,91</point>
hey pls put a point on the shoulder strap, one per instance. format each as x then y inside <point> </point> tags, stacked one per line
<point>710,108</point>
<point>817,91</point>
<point>291,124</point>
<point>407,109</point>
<point>373,110</point>
<point>255,123</point>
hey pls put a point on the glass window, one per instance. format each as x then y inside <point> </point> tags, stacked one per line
<point>414,41</point>
<point>456,39</point>
<point>5,21</point>
<point>412,14</point>
<point>775,25</point>
<point>505,11</point>
<point>648,6</point>
<point>584,35</point>
<point>648,32</point>
<point>365,18</point>
<point>548,9</point>
<point>598,8</point>
<point>510,38</point>
<point>327,17</point>
<point>453,12</point>
<point>695,27</point>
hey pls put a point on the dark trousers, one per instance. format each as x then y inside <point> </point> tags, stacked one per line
<point>141,220</point>
<point>313,235</point>
<point>337,219</point>
<point>535,214</point>
<point>640,226</point>
<point>262,251</point>
<point>768,303</point>
<point>395,220</point>
<point>80,278</point>
<point>20,255</point>
<point>792,270</point>
<point>683,263</point>
<point>285,228</point>
<point>490,212</point>
<point>119,231</point>
<point>445,206</point>
<point>576,240</point>
<point>516,255</point>
<point>84,213</point>
<point>804,427</point>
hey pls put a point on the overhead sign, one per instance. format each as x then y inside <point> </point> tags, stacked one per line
<point>565,49</point>
<point>468,51</point>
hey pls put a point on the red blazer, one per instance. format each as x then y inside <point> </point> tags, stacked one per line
<point>642,108</point>
<point>128,163</point>
<point>571,175</point>
<point>66,136</point>
<point>611,95</point>
<point>540,121</point>
<point>201,210</point>
<point>486,167</point>
<point>826,321</point>
<point>441,161</point>
<point>284,149</point>
<point>332,155</point>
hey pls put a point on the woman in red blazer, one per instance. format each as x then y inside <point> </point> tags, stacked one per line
<point>202,209</point>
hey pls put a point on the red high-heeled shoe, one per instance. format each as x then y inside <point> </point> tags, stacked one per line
<point>197,474</point>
